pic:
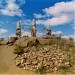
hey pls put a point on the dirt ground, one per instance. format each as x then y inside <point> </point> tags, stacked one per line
<point>7,65</point>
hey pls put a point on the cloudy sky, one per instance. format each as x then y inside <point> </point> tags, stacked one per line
<point>57,14</point>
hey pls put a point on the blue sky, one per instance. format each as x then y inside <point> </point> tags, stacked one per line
<point>58,14</point>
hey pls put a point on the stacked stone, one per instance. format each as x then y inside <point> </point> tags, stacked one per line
<point>49,57</point>
<point>33,28</point>
<point>18,29</point>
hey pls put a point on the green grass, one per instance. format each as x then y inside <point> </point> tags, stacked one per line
<point>18,50</point>
<point>41,70</point>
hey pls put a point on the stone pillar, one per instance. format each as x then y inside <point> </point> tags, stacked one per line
<point>18,29</point>
<point>33,28</point>
<point>48,31</point>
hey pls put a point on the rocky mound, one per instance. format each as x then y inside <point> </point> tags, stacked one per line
<point>42,58</point>
<point>9,41</point>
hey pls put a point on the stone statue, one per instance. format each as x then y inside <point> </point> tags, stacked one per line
<point>33,28</point>
<point>48,31</point>
<point>18,29</point>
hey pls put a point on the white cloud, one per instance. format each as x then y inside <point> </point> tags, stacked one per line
<point>40,34</point>
<point>54,21</point>
<point>57,32</point>
<point>26,33</point>
<point>10,1</point>
<point>69,36</point>
<point>12,35</point>
<point>62,13</point>
<point>2,31</point>
<point>11,9</point>
<point>39,22</point>
<point>38,15</point>
<point>59,8</point>
<point>26,22</point>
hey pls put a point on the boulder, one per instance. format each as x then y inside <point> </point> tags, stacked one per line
<point>17,62</point>
<point>12,39</point>
<point>35,62</point>
<point>5,42</point>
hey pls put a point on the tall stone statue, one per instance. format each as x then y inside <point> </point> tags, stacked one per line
<point>48,31</point>
<point>33,28</point>
<point>18,29</point>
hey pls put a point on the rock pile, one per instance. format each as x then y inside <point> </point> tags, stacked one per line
<point>47,56</point>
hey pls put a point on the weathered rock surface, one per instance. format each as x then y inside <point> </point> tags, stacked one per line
<point>44,52</point>
<point>49,57</point>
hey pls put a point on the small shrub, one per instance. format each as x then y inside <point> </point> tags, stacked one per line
<point>41,69</point>
<point>33,43</point>
<point>18,50</point>
<point>30,43</point>
<point>64,69</point>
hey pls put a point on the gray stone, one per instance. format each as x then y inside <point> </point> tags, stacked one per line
<point>17,62</point>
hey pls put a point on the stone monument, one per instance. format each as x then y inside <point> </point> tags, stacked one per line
<point>48,29</point>
<point>18,29</point>
<point>33,28</point>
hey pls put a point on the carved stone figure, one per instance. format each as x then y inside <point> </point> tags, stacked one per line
<point>18,29</point>
<point>48,31</point>
<point>33,28</point>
